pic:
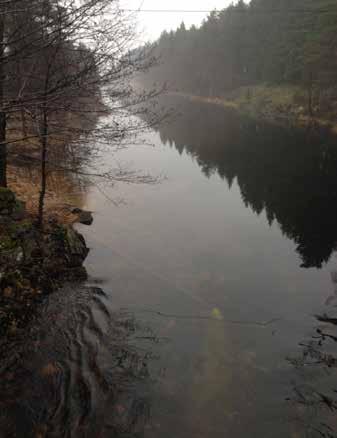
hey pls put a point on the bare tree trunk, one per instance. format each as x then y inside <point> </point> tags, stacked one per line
<point>319,100</point>
<point>22,84</point>
<point>23,123</point>
<point>44,150</point>
<point>3,150</point>
<point>310,95</point>
<point>3,146</point>
<point>44,147</point>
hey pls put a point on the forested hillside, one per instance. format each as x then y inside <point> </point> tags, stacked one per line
<point>274,42</point>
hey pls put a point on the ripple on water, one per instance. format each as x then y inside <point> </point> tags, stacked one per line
<point>74,372</point>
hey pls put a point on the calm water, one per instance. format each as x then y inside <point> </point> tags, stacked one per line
<point>219,271</point>
<point>244,208</point>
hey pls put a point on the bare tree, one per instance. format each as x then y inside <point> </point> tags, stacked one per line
<point>74,60</point>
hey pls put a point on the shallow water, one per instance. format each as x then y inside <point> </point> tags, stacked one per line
<point>219,271</point>
<point>75,371</point>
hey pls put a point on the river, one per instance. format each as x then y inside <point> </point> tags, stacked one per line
<point>212,279</point>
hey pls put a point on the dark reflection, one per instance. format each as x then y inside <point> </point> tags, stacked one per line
<point>314,394</point>
<point>75,371</point>
<point>288,173</point>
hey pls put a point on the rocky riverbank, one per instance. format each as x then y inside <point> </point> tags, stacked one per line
<point>33,262</point>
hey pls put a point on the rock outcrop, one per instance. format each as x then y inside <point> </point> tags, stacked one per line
<point>33,262</point>
<point>82,216</point>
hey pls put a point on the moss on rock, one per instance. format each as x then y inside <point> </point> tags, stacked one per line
<point>34,262</point>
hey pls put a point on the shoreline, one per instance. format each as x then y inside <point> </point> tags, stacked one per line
<point>35,262</point>
<point>301,120</point>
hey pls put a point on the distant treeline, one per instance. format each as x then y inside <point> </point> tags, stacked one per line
<point>266,41</point>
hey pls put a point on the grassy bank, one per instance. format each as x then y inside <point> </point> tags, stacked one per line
<point>278,103</point>
<point>67,148</point>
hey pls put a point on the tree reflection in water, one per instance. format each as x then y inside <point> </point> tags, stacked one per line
<point>286,172</point>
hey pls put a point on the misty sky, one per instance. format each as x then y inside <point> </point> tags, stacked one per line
<point>153,24</point>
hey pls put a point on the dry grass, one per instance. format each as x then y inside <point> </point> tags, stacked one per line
<point>270,102</point>
<point>64,190</point>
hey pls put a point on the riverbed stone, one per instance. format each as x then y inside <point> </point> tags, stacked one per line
<point>83,216</point>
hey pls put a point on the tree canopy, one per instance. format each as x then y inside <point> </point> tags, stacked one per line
<point>271,41</point>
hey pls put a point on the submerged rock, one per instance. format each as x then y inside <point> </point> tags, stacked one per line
<point>67,251</point>
<point>83,217</point>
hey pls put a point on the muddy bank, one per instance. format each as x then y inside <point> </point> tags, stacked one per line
<point>33,262</point>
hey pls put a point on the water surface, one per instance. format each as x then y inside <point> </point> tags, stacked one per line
<point>211,280</point>
<point>228,259</point>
